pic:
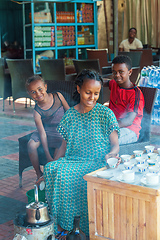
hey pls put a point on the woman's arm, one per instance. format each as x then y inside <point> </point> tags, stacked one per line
<point>114,145</point>
<point>64,102</point>
<point>61,150</point>
<point>43,135</point>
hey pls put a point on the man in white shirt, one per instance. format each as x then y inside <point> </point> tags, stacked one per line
<point>131,42</point>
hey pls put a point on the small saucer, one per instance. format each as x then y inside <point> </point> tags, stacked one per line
<point>120,179</point>
<point>144,182</point>
<point>104,174</point>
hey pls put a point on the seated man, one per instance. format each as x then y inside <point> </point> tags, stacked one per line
<point>131,42</point>
<point>126,100</point>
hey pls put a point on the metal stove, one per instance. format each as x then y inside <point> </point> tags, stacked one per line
<point>34,232</point>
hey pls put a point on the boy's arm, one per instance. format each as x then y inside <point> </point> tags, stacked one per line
<point>42,134</point>
<point>127,120</point>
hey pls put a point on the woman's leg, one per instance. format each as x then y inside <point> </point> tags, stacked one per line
<point>33,155</point>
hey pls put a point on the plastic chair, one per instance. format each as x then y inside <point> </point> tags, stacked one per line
<point>20,70</point>
<point>101,54</point>
<point>5,83</point>
<point>135,76</point>
<point>146,58</point>
<point>52,69</point>
<point>92,64</point>
<point>134,56</point>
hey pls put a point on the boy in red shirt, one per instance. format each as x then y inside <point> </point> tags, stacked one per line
<point>126,100</point>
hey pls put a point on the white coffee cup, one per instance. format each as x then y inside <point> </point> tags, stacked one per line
<point>153,169</point>
<point>125,157</point>
<point>128,175</point>
<point>149,148</point>
<point>140,160</point>
<point>128,165</point>
<point>112,162</point>
<point>152,155</point>
<point>138,153</point>
<point>142,167</point>
<point>152,178</point>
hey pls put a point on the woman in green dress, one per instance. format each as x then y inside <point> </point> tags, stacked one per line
<point>90,136</point>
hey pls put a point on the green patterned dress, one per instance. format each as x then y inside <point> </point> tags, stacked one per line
<point>87,138</point>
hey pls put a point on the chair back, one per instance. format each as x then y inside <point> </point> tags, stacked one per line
<point>67,89</point>
<point>146,58</point>
<point>5,81</point>
<point>92,64</point>
<point>135,76</point>
<point>52,69</point>
<point>101,54</point>
<point>20,70</point>
<point>134,56</point>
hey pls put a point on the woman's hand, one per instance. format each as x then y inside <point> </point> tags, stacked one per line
<point>110,155</point>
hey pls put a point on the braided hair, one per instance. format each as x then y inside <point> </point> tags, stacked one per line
<point>84,75</point>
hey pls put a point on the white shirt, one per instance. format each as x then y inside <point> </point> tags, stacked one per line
<point>134,45</point>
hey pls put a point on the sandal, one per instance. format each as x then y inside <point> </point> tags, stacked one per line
<point>60,234</point>
<point>40,183</point>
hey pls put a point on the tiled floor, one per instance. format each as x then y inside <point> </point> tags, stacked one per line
<point>12,198</point>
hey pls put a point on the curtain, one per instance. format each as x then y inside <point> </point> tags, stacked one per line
<point>144,16</point>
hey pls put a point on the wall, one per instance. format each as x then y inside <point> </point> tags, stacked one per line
<point>104,29</point>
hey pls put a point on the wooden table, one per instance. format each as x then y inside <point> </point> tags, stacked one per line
<point>122,211</point>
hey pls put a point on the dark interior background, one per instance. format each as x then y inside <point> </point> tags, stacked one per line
<point>11,22</point>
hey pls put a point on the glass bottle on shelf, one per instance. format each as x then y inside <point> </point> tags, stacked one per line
<point>76,233</point>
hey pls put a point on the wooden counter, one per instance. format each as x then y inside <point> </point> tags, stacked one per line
<point>122,211</point>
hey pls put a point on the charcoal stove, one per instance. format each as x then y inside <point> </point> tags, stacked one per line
<point>36,223</point>
<point>34,231</point>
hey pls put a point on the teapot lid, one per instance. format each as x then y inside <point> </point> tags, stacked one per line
<point>35,205</point>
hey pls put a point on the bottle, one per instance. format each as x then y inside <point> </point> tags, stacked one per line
<point>151,80</point>
<point>76,233</point>
<point>143,76</point>
<point>155,80</point>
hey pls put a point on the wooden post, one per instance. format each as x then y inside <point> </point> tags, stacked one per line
<point>115,26</point>
<point>106,24</point>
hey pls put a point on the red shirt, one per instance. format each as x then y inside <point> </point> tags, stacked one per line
<point>124,100</point>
